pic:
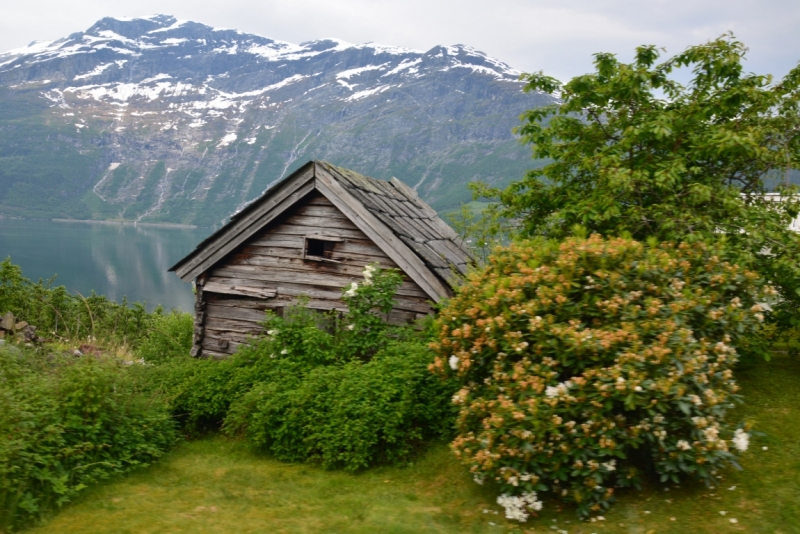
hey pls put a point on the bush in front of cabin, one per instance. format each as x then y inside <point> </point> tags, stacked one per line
<point>343,390</point>
<point>352,415</point>
<point>586,362</point>
<point>69,422</point>
<point>169,336</point>
<point>353,394</point>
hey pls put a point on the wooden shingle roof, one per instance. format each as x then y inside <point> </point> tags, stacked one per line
<point>389,212</point>
<point>410,218</point>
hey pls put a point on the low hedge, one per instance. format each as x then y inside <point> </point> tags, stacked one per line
<point>69,422</point>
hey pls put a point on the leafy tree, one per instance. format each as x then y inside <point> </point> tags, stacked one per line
<point>632,151</point>
<point>481,231</point>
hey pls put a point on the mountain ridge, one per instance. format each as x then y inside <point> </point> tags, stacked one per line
<point>161,120</point>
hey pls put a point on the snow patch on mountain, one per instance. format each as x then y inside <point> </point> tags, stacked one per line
<point>364,94</point>
<point>95,72</point>
<point>347,74</point>
<point>229,138</point>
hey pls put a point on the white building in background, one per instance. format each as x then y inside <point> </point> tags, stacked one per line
<point>775,197</point>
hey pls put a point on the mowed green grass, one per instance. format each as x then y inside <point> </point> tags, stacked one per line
<point>218,485</point>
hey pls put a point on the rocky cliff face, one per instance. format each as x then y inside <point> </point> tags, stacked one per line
<point>155,119</point>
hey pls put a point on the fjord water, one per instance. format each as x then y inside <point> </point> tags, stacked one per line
<point>114,260</point>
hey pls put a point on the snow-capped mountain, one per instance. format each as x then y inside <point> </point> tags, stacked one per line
<point>156,119</point>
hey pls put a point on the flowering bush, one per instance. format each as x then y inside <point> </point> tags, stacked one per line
<point>583,362</point>
<point>365,326</point>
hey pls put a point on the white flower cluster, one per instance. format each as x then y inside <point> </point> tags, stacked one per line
<point>741,440</point>
<point>684,445</point>
<point>453,361</point>
<point>352,291</point>
<point>518,506</point>
<point>559,390</point>
<point>369,270</point>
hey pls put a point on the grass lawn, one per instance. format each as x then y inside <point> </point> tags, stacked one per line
<point>216,485</point>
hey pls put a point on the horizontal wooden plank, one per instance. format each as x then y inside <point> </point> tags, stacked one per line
<point>402,304</point>
<point>296,265</point>
<point>214,344</point>
<point>276,252</point>
<point>345,273</point>
<point>232,336</point>
<point>398,317</point>
<point>236,314</point>
<point>244,302</point>
<point>341,252</point>
<point>277,240</point>
<point>243,290</point>
<point>329,291</point>
<point>274,277</point>
<point>319,211</point>
<point>351,257</point>
<point>319,200</point>
<point>320,222</point>
<point>303,230</point>
<point>233,325</point>
<point>355,262</point>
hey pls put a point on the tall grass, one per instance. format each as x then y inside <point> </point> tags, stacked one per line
<point>60,315</point>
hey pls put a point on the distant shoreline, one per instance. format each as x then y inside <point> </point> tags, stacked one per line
<point>94,221</point>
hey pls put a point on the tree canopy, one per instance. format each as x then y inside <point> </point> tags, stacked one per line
<point>629,150</point>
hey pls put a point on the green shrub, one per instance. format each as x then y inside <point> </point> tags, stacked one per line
<point>584,362</point>
<point>347,391</point>
<point>169,336</point>
<point>352,415</point>
<point>62,316</point>
<point>68,422</point>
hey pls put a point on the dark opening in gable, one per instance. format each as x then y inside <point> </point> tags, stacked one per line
<point>320,248</point>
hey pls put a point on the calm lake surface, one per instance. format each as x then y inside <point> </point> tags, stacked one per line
<point>114,260</point>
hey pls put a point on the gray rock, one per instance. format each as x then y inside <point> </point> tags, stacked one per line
<point>8,322</point>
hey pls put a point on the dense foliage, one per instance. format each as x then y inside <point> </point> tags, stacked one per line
<point>68,422</point>
<point>633,151</point>
<point>168,337</point>
<point>585,362</point>
<point>63,316</point>
<point>349,391</point>
<point>353,415</point>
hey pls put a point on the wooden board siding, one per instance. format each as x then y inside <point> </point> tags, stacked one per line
<point>272,260</point>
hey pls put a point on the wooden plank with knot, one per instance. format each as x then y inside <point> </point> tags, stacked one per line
<point>242,290</point>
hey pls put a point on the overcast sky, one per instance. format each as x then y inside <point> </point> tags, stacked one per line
<point>556,36</point>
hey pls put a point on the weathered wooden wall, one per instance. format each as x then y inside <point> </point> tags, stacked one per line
<point>271,262</point>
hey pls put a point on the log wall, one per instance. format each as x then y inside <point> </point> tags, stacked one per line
<point>272,263</point>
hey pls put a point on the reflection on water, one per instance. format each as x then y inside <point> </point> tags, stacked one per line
<point>115,260</point>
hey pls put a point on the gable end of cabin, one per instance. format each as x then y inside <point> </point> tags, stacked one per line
<point>312,250</point>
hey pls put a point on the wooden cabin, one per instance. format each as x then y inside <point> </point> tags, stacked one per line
<point>312,234</point>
